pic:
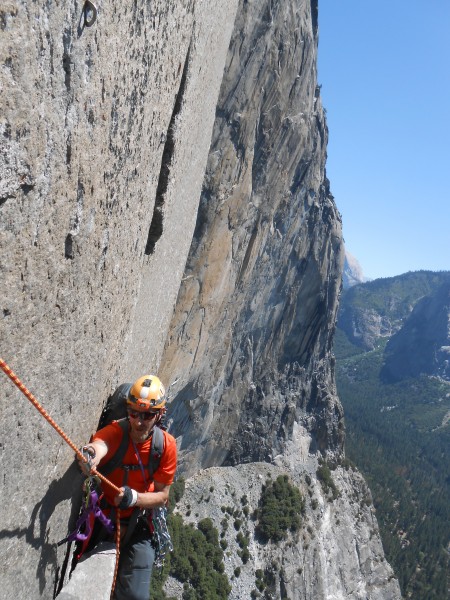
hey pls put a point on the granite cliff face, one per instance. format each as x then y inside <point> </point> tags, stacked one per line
<point>337,554</point>
<point>106,131</point>
<point>251,336</point>
<point>250,340</point>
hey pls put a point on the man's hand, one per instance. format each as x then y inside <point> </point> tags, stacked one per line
<point>126,498</point>
<point>94,452</point>
<point>89,453</point>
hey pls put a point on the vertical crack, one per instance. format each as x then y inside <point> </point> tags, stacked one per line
<point>157,224</point>
<point>66,61</point>
<point>315,15</point>
<point>75,224</point>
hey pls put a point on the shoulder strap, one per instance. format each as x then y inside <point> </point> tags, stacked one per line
<point>116,460</point>
<point>156,451</point>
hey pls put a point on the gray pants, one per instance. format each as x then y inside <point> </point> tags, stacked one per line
<point>135,566</point>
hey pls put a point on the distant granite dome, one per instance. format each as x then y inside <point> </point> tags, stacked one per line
<point>353,272</point>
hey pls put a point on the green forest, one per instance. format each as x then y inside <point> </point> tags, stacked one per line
<point>197,560</point>
<point>399,437</point>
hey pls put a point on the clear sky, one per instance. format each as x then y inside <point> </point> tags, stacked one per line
<point>384,67</point>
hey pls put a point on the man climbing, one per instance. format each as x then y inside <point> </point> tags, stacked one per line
<point>129,454</point>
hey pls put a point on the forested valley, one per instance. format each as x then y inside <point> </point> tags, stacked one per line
<point>398,435</point>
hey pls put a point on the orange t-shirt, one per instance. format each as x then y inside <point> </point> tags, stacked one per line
<point>111,435</point>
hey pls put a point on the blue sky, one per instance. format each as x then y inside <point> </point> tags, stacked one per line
<point>384,67</point>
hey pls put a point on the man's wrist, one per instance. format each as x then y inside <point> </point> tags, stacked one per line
<point>129,498</point>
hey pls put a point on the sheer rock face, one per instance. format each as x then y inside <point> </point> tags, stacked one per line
<point>105,132</point>
<point>251,336</point>
<point>250,340</point>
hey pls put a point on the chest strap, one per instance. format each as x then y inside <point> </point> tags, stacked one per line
<point>154,457</point>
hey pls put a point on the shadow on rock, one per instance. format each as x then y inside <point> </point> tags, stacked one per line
<point>37,533</point>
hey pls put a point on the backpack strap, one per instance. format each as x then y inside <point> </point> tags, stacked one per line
<point>156,451</point>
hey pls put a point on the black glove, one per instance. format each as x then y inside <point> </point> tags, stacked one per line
<point>129,497</point>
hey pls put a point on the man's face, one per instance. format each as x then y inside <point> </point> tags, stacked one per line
<point>141,423</point>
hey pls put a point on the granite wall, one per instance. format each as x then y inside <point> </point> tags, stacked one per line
<point>105,132</point>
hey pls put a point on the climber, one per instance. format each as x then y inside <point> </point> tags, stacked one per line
<point>125,451</point>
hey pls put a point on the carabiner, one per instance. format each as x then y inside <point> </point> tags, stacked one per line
<point>90,13</point>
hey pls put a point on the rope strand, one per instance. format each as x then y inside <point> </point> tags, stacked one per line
<point>116,566</point>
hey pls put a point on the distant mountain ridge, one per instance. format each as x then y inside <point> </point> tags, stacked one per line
<point>422,345</point>
<point>381,308</point>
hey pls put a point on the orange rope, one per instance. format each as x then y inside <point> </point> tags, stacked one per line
<point>116,566</point>
<point>68,441</point>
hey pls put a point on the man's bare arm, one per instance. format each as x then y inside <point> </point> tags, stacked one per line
<point>154,499</point>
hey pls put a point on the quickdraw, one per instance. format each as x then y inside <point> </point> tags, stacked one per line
<point>161,532</point>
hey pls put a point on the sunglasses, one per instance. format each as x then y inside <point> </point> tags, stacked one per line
<point>143,416</point>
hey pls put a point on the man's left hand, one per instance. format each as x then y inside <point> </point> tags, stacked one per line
<point>126,498</point>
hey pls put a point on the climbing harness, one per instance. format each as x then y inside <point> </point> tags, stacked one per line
<point>93,472</point>
<point>89,13</point>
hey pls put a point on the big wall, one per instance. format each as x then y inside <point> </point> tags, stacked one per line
<point>105,133</point>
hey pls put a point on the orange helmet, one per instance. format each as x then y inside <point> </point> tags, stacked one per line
<point>147,393</point>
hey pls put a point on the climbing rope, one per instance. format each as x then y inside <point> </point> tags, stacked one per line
<point>9,372</point>
<point>116,566</point>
